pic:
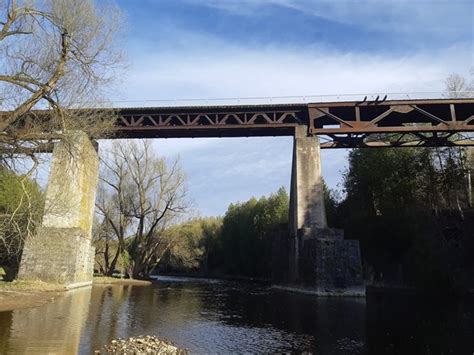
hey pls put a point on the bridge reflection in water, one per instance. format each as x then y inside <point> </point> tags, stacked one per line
<point>208,316</point>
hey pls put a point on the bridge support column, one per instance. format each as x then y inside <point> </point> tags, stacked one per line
<point>61,250</point>
<point>306,194</point>
<point>320,258</point>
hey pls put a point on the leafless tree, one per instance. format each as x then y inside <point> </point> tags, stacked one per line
<point>54,55</point>
<point>457,86</point>
<point>140,195</point>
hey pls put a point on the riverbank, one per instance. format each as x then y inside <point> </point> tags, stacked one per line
<point>216,276</point>
<point>142,345</point>
<point>348,292</point>
<point>25,294</point>
<point>19,295</point>
<point>103,280</point>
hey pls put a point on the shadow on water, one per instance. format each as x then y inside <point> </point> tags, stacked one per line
<point>219,316</point>
<point>398,324</point>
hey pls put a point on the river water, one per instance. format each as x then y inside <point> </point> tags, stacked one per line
<point>210,316</point>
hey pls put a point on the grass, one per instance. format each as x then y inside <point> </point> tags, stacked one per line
<point>30,286</point>
<point>115,280</point>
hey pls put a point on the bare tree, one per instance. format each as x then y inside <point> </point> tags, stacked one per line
<point>55,55</point>
<point>139,197</point>
<point>457,86</point>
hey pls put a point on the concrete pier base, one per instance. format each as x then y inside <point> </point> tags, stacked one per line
<point>320,259</point>
<point>61,251</point>
<point>330,264</point>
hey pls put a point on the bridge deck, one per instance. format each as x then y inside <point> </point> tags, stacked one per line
<point>441,122</point>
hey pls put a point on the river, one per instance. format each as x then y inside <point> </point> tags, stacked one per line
<point>212,316</point>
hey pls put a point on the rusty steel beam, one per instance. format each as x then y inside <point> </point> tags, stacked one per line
<point>339,124</point>
<point>426,123</point>
<point>225,121</point>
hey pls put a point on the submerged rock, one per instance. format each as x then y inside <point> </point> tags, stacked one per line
<point>141,345</point>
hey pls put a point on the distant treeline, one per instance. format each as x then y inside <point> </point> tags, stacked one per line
<point>239,244</point>
<point>408,207</point>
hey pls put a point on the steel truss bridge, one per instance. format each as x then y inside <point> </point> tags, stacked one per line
<point>401,123</point>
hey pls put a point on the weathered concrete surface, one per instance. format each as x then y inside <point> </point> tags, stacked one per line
<point>72,184</point>
<point>320,259</point>
<point>61,250</point>
<point>330,264</point>
<point>306,194</point>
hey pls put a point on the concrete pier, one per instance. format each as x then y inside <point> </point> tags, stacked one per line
<point>61,250</point>
<point>320,259</point>
<point>306,194</point>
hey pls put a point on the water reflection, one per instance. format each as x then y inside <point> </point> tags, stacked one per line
<point>415,325</point>
<point>52,328</point>
<point>210,317</point>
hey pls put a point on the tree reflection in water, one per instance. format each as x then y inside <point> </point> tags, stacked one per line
<point>209,316</point>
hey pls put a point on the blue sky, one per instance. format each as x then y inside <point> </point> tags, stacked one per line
<point>180,49</point>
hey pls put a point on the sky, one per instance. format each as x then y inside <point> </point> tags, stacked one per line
<point>210,49</point>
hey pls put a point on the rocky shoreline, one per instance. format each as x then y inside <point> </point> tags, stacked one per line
<point>141,345</point>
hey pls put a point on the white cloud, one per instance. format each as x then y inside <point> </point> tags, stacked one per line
<point>444,17</point>
<point>200,66</point>
<point>212,69</point>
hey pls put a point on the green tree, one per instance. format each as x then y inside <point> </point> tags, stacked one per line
<point>401,204</point>
<point>21,206</point>
<point>196,245</point>
<point>247,234</point>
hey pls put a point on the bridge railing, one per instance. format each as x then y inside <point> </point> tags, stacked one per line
<point>296,99</point>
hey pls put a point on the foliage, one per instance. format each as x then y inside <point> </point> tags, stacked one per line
<point>21,205</point>
<point>401,205</point>
<point>247,234</point>
<point>239,244</point>
<point>197,245</point>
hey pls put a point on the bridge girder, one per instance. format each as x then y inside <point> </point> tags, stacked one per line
<point>371,124</point>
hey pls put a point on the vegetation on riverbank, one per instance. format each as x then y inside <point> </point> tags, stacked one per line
<point>239,245</point>
<point>37,286</point>
<point>107,280</point>
<point>409,209</point>
<point>21,206</point>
